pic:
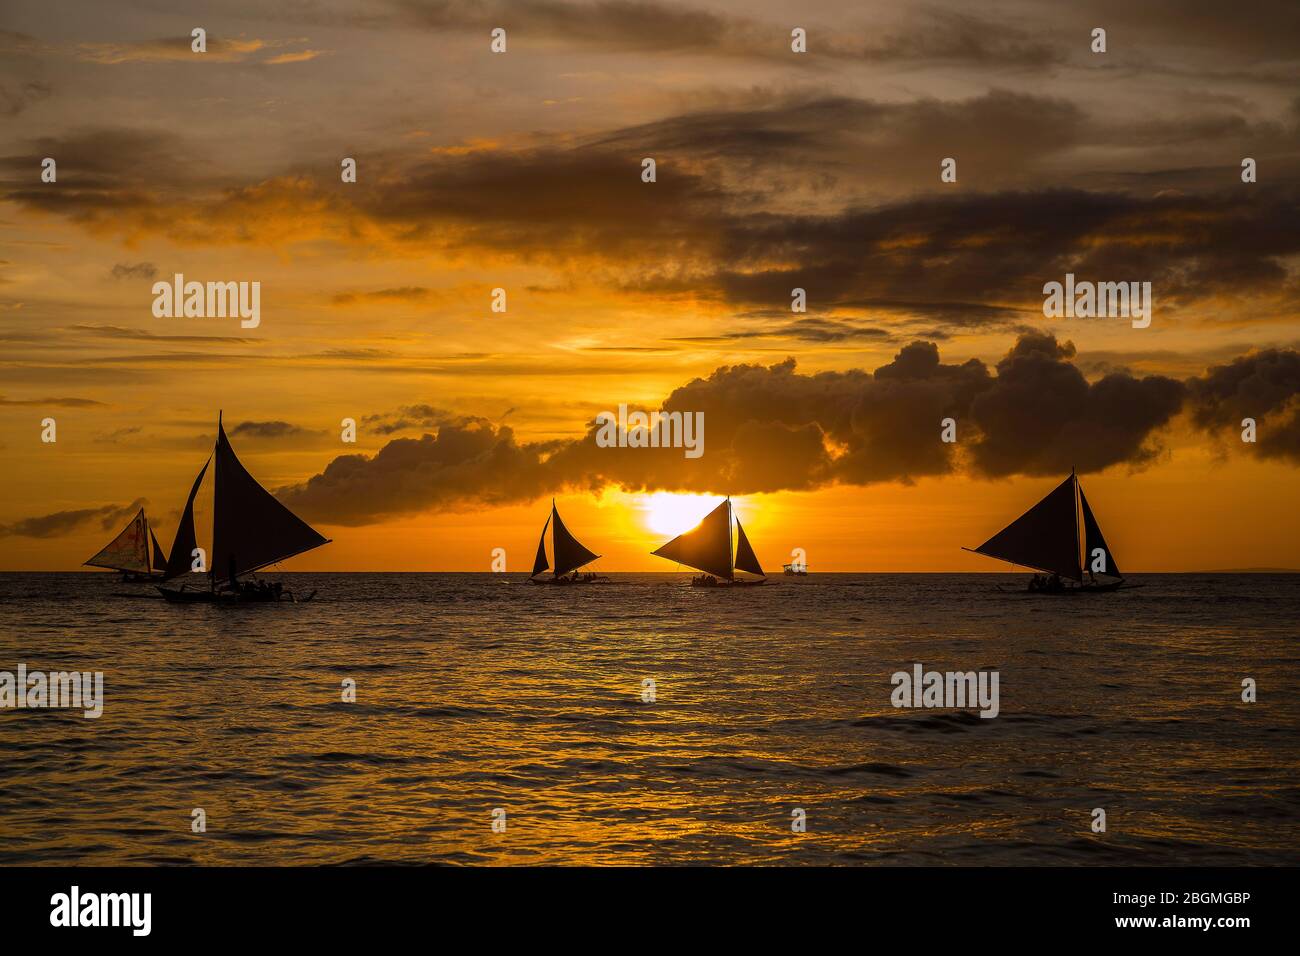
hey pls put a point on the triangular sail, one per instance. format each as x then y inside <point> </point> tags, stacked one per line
<point>1092,539</point>
<point>540,563</point>
<point>250,528</point>
<point>1046,537</point>
<point>746,560</point>
<point>159,559</point>
<point>570,553</point>
<point>707,546</point>
<point>129,551</point>
<point>183,546</point>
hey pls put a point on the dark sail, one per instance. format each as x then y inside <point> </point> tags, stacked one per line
<point>159,559</point>
<point>746,560</point>
<point>570,553</point>
<point>129,551</point>
<point>539,563</point>
<point>707,546</point>
<point>1092,539</point>
<point>250,528</point>
<point>183,546</point>
<point>1046,537</point>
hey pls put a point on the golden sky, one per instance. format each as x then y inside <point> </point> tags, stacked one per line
<point>775,170</point>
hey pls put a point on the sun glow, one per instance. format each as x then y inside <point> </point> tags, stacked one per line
<point>671,514</point>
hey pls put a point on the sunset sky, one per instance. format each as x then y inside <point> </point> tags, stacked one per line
<point>775,170</point>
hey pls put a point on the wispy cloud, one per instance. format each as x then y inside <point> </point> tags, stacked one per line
<point>65,522</point>
<point>169,48</point>
<point>301,56</point>
<point>140,270</point>
<point>59,402</point>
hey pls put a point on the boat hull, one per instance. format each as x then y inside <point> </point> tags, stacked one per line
<point>230,597</point>
<point>1072,591</point>
<point>135,577</point>
<point>1082,589</point>
<point>188,597</point>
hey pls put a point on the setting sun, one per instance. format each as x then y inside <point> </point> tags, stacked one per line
<point>671,514</point>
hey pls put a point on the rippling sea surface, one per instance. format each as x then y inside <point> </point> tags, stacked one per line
<point>477,692</point>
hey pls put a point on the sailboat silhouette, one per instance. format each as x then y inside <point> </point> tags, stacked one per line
<point>1049,537</point>
<point>707,547</point>
<point>129,552</point>
<point>250,530</point>
<point>569,553</point>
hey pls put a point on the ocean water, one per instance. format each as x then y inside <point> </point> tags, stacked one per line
<point>477,692</point>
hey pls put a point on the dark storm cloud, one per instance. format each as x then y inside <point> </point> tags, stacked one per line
<point>65,522</point>
<point>1001,248</point>
<point>771,428</point>
<point>924,37</point>
<point>1264,386</point>
<point>549,200</point>
<point>103,173</point>
<point>738,213</point>
<point>979,257</point>
<point>996,135</point>
<point>568,196</point>
<point>470,460</point>
<point>1042,416</point>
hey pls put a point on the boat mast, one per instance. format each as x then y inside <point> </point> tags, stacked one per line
<point>212,552</point>
<point>731,547</point>
<point>1078,525</point>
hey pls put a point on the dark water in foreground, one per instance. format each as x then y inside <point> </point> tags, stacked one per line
<point>477,692</point>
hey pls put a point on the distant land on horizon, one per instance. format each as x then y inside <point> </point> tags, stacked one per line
<point>1247,571</point>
